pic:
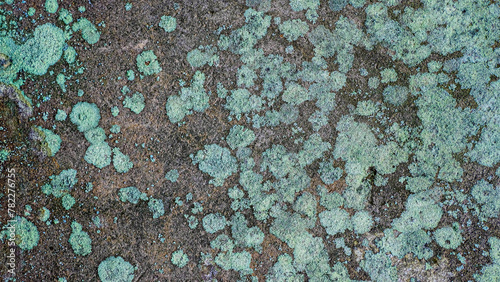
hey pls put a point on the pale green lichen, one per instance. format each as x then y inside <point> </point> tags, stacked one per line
<point>217,162</point>
<point>214,222</point>
<point>88,29</point>
<point>115,269</point>
<point>156,207</point>
<point>98,154</point>
<point>179,258</point>
<point>68,201</point>
<point>132,195</point>
<point>80,240</point>
<point>134,103</point>
<point>121,162</point>
<point>147,63</point>
<point>188,99</point>
<point>172,175</point>
<point>51,6</point>
<point>168,23</point>
<point>95,135</point>
<point>85,115</point>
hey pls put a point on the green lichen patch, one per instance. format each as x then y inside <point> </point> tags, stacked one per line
<point>134,103</point>
<point>115,269</point>
<point>147,63</point>
<point>80,240</point>
<point>168,23</point>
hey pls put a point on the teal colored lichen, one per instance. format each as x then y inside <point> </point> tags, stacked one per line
<point>283,270</point>
<point>115,129</point>
<point>486,151</point>
<point>130,75</point>
<point>373,82</point>
<point>26,233</point>
<point>31,11</point>
<point>395,95</point>
<point>203,55</point>
<point>223,243</point>
<point>251,237</point>
<point>62,183</point>
<point>295,94</point>
<point>51,6</point>
<point>388,75</point>
<point>188,99</point>
<point>357,145</point>
<point>488,198</point>
<point>98,154</point>
<point>95,135</point>
<point>115,111</point>
<point>80,240</point>
<point>235,261</point>
<point>329,173</point>
<point>22,232</point>
<point>379,267</point>
<point>70,55</point>
<point>357,3</point>
<point>132,195</point>
<point>192,221</point>
<point>115,269</point>
<point>66,17</point>
<point>147,63</point>
<point>448,237</point>
<point>51,142</point>
<point>44,214</point>
<point>88,29</point>
<point>172,175</point>
<point>156,207</point>
<point>306,204</point>
<point>240,137</point>
<point>134,103</point>
<point>421,212</point>
<point>246,76</point>
<point>85,116</point>
<point>309,5</point>
<point>168,23</point>
<point>68,201</point>
<point>293,29</point>
<point>214,222</point>
<point>362,222</point>
<point>43,50</point>
<point>61,80</point>
<point>179,258</point>
<point>416,242</point>
<point>335,221</point>
<point>337,5</point>
<point>121,162</point>
<point>329,200</point>
<point>366,108</point>
<point>241,101</point>
<point>61,115</point>
<point>491,272</point>
<point>217,162</point>
<point>314,148</point>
